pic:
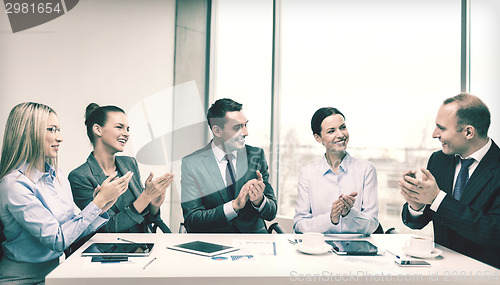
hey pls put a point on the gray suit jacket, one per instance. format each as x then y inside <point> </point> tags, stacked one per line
<point>203,192</point>
<point>123,217</point>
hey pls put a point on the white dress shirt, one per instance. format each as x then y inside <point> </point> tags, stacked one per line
<point>319,187</point>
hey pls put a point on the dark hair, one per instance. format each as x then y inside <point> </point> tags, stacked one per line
<point>471,111</point>
<point>97,115</point>
<point>216,114</point>
<point>320,115</point>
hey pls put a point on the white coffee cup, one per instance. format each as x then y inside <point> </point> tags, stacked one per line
<point>313,240</point>
<point>420,244</point>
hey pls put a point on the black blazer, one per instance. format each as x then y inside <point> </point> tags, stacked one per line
<point>470,226</point>
<point>122,217</point>
<point>203,193</point>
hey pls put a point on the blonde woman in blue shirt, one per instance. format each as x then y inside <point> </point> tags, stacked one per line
<point>338,193</point>
<point>36,204</point>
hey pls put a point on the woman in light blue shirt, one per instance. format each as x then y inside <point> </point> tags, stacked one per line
<point>36,204</point>
<point>338,193</point>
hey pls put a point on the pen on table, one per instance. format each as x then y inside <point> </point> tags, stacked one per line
<point>397,256</point>
<point>147,264</point>
<point>126,240</point>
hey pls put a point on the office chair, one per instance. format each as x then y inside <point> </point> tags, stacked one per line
<point>156,223</point>
<point>182,229</point>
<point>276,228</point>
<point>380,230</point>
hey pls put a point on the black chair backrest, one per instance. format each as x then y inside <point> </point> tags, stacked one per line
<point>276,228</point>
<point>157,222</point>
<point>162,226</point>
<point>379,229</point>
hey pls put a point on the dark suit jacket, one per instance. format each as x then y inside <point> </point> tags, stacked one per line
<point>203,192</point>
<point>122,217</point>
<point>470,226</point>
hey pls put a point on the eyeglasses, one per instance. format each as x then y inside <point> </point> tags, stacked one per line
<point>53,130</point>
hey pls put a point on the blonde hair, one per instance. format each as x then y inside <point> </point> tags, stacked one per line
<point>24,138</point>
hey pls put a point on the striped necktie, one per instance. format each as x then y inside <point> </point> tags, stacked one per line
<point>462,178</point>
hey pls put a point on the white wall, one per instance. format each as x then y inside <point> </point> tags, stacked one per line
<point>103,51</point>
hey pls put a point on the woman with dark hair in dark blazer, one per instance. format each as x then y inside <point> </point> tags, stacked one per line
<point>138,208</point>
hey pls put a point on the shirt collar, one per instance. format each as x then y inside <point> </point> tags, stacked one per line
<point>220,154</point>
<point>344,164</point>
<point>50,170</point>
<point>35,174</point>
<point>480,153</point>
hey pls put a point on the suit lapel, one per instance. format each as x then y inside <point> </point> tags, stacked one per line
<point>99,175</point>
<point>449,171</point>
<point>123,168</point>
<point>241,169</point>
<point>482,175</point>
<point>210,163</point>
<point>96,169</point>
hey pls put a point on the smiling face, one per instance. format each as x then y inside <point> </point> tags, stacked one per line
<point>53,137</point>
<point>232,135</point>
<point>115,132</point>
<point>334,135</point>
<point>453,141</point>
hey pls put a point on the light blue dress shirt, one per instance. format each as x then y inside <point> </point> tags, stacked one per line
<point>39,215</point>
<point>319,187</point>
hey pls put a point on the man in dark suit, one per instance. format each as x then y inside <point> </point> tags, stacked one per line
<point>224,186</point>
<point>460,189</point>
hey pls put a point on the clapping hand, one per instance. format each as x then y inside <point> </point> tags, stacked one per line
<point>253,190</point>
<point>342,206</point>
<point>256,190</point>
<point>156,189</point>
<point>105,195</point>
<point>416,192</point>
<point>348,202</point>
<point>240,201</point>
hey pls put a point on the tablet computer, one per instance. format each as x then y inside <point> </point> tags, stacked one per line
<point>203,248</point>
<point>121,249</point>
<point>353,247</point>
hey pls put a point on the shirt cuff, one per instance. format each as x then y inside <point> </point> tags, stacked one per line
<point>329,226</point>
<point>91,212</point>
<point>95,214</point>
<point>353,213</point>
<point>261,207</point>
<point>415,213</point>
<point>438,200</point>
<point>229,211</point>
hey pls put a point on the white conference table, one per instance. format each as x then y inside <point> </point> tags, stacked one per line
<point>287,266</point>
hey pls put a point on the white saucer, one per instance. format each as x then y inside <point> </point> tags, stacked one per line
<point>346,236</point>
<point>434,253</point>
<point>321,250</point>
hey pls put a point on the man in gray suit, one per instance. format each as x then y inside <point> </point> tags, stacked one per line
<point>224,186</point>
